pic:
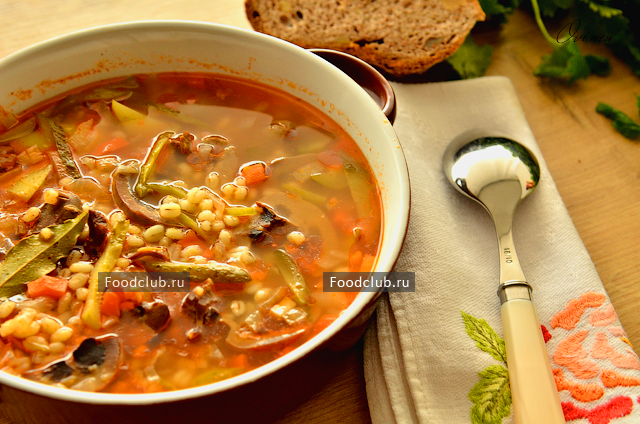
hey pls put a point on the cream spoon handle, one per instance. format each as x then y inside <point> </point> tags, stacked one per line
<point>533,388</point>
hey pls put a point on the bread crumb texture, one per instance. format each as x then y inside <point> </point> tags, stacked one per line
<point>401,37</point>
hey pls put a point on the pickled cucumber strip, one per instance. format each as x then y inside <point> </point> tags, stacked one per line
<point>28,185</point>
<point>293,277</point>
<point>360,188</point>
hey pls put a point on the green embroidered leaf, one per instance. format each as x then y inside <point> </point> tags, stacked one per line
<point>486,339</point>
<point>491,396</point>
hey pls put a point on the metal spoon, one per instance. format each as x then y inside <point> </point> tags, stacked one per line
<point>499,173</point>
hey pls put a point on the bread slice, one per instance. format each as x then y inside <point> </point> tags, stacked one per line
<point>401,37</point>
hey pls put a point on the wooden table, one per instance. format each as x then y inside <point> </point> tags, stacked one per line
<point>596,170</point>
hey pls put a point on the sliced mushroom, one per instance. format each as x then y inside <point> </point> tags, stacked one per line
<point>135,209</point>
<point>155,314</point>
<point>202,304</point>
<point>267,225</point>
<point>98,233</point>
<point>254,341</point>
<point>91,367</point>
<point>67,207</point>
<point>158,253</point>
<point>184,142</point>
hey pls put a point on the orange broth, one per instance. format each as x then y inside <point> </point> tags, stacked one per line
<point>267,185</point>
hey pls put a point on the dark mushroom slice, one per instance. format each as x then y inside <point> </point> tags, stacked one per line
<point>91,367</point>
<point>98,234</point>
<point>156,315</point>
<point>267,341</point>
<point>150,253</point>
<point>202,304</point>
<point>183,142</point>
<point>134,208</point>
<point>67,207</point>
<point>139,211</point>
<point>57,372</point>
<point>267,225</point>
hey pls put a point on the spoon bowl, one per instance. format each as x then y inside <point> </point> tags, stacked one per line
<point>483,162</point>
<point>499,173</point>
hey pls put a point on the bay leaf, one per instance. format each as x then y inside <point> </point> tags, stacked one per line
<point>33,257</point>
<point>55,134</point>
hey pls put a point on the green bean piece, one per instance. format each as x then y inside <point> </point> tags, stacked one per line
<point>150,164</point>
<point>241,211</point>
<point>191,223</point>
<point>217,272</point>
<point>167,190</point>
<point>106,263</point>
<point>293,277</point>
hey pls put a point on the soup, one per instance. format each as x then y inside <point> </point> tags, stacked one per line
<point>243,191</point>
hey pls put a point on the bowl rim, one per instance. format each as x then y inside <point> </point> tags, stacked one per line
<point>348,315</point>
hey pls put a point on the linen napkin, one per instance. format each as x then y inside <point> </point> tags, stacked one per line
<point>433,356</point>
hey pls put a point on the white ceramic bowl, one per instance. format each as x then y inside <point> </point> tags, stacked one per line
<point>55,66</point>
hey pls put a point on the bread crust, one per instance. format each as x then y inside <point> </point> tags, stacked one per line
<point>401,37</point>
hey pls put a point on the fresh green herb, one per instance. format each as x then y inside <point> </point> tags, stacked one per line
<point>599,65</point>
<point>620,120</point>
<point>611,22</point>
<point>34,257</point>
<point>565,63</point>
<point>497,10</point>
<point>471,60</point>
<point>614,23</point>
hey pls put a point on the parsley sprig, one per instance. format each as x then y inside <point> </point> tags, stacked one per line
<point>613,22</point>
<point>616,23</point>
